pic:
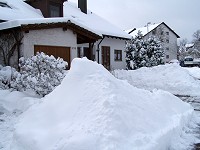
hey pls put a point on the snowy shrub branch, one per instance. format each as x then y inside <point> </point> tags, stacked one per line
<point>40,73</point>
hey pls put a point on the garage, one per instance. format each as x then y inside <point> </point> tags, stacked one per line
<point>56,51</point>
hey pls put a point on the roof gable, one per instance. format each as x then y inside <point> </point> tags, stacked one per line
<point>147,29</point>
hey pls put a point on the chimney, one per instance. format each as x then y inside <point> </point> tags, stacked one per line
<point>82,4</point>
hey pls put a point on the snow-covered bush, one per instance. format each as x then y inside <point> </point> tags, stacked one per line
<point>8,76</point>
<point>41,73</point>
<point>143,53</point>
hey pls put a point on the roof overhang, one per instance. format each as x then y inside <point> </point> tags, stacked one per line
<point>83,35</point>
<point>116,37</point>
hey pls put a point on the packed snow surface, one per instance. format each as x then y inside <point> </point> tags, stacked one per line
<point>194,71</point>
<point>92,110</point>
<point>12,104</point>
<point>170,77</point>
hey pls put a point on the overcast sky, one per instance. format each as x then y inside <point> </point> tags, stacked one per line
<point>183,16</point>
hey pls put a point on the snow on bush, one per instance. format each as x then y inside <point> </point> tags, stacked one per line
<point>8,76</point>
<point>143,53</point>
<point>41,73</point>
<point>170,77</point>
<point>92,110</point>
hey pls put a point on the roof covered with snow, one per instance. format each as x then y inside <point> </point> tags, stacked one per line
<point>17,9</point>
<point>146,29</point>
<point>93,21</point>
<point>44,21</point>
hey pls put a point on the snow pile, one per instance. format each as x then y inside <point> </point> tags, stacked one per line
<point>12,104</point>
<point>92,110</point>
<point>169,77</point>
<point>194,71</point>
<point>15,101</point>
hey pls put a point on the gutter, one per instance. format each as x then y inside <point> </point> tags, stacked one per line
<point>98,49</point>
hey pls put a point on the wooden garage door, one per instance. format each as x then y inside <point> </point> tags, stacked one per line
<point>56,51</point>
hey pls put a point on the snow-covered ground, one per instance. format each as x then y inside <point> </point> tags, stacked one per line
<point>12,105</point>
<point>91,109</point>
<point>170,77</point>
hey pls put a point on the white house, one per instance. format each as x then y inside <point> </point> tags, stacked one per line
<point>109,50</point>
<point>54,36</point>
<point>162,31</point>
<point>74,34</point>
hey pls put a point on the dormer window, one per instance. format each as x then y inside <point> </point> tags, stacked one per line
<point>54,10</point>
<point>2,4</point>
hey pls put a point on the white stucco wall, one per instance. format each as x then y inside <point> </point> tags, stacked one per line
<point>114,44</point>
<point>49,37</point>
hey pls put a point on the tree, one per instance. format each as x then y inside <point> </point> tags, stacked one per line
<point>10,42</point>
<point>196,36</point>
<point>182,51</point>
<point>135,52</point>
<point>143,53</point>
<point>154,52</point>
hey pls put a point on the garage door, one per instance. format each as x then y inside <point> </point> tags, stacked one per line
<point>56,51</point>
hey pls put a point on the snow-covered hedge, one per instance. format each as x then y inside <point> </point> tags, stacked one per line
<point>40,73</point>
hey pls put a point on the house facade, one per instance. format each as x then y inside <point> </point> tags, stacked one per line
<point>68,34</point>
<point>109,50</point>
<point>165,34</point>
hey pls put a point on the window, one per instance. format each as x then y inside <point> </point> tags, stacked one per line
<point>55,10</point>
<point>118,55</point>
<point>154,32</point>
<point>167,48</point>
<point>167,40</point>
<point>167,33</point>
<point>167,56</point>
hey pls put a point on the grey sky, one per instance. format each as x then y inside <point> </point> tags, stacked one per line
<point>183,16</point>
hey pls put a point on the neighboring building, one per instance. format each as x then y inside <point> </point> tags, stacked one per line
<point>78,33</point>
<point>166,35</point>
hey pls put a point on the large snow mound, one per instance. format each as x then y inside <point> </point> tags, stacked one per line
<point>170,77</point>
<point>92,110</point>
<point>194,71</point>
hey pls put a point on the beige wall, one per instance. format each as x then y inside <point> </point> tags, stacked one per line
<point>49,37</point>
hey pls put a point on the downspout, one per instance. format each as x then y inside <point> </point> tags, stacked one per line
<point>98,49</point>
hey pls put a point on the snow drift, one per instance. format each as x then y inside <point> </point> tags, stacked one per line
<point>170,77</point>
<point>92,110</point>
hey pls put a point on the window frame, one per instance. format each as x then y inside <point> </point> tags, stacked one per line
<point>53,4</point>
<point>117,55</point>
